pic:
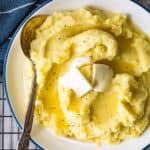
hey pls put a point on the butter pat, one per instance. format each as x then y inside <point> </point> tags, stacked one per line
<point>102,77</point>
<point>76,81</point>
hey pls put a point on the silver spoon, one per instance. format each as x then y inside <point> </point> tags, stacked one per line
<point>27,35</point>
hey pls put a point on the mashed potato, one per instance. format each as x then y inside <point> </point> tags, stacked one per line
<point>111,116</point>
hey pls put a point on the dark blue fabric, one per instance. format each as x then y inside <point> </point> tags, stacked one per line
<point>11,14</point>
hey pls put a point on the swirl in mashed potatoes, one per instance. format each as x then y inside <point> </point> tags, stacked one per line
<point>111,116</point>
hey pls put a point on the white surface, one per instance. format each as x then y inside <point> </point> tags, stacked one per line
<point>16,61</point>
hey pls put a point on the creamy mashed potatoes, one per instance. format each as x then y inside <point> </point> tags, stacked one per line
<point>119,112</point>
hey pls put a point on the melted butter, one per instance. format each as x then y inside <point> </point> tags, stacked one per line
<point>49,93</point>
<point>120,66</point>
<point>87,71</point>
<point>75,104</point>
<point>104,107</point>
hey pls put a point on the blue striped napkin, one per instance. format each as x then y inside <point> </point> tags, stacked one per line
<point>11,14</point>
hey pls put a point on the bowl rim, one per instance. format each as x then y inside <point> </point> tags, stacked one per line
<point>7,54</point>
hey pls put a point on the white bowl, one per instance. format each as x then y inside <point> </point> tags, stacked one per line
<point>15,60</point>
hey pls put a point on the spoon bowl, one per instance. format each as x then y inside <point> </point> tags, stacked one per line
<point>29,32</point>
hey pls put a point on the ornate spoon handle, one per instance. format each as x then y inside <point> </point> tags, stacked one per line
<point>25,138</point>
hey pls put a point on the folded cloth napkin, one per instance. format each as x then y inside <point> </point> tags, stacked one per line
<point>12,13</point>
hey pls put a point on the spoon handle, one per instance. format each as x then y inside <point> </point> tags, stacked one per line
<point>25,138</point>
